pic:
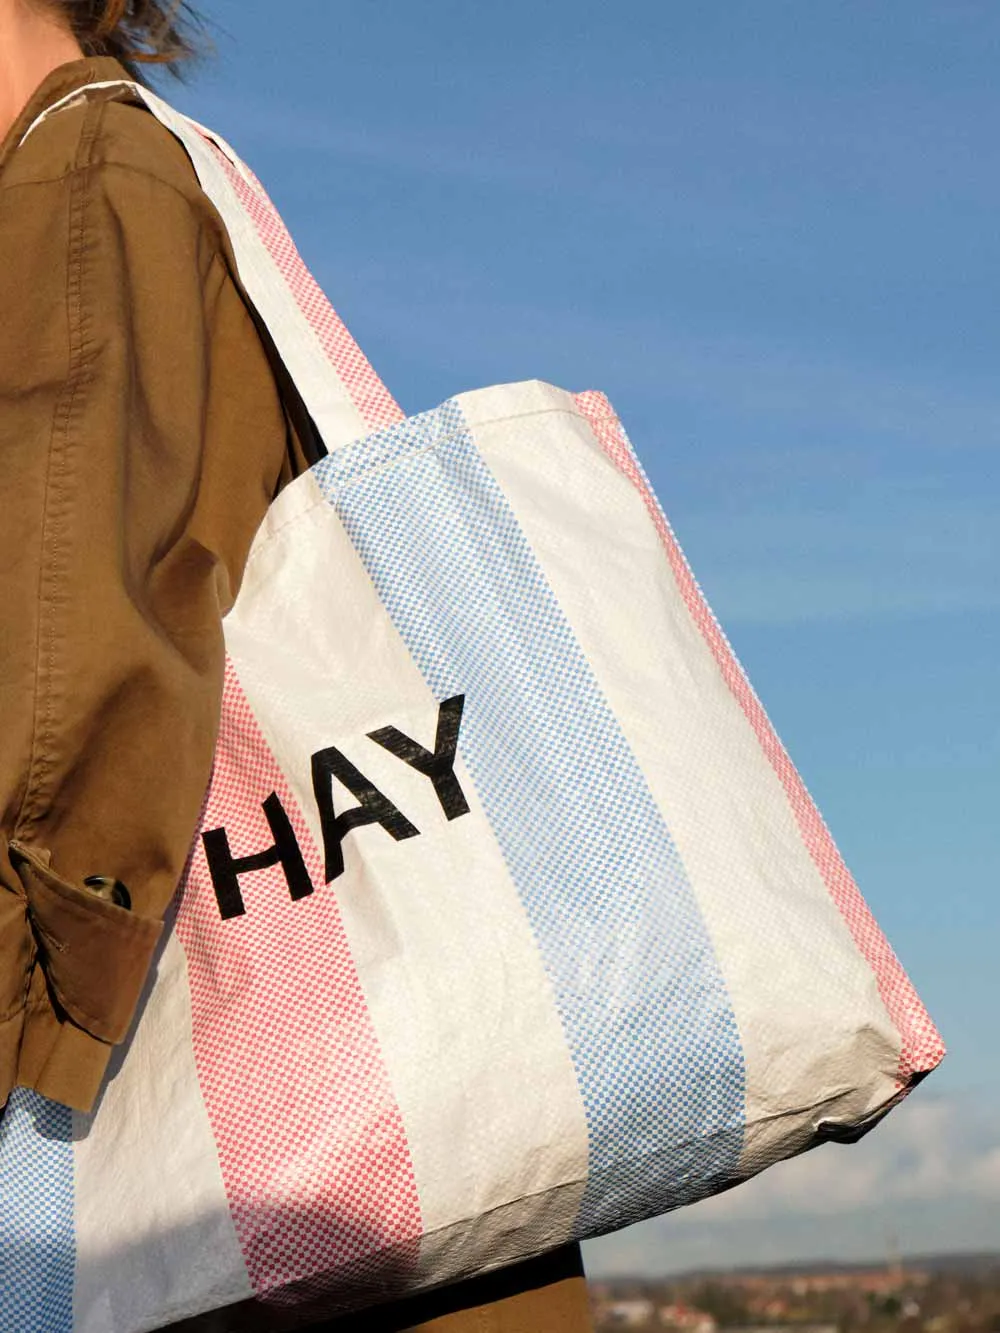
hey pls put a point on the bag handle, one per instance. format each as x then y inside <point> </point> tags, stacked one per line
<point>341,391</point>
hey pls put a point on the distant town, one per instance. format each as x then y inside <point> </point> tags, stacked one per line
<point>929,1294</point>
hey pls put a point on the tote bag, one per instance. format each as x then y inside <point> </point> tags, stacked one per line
<point>510,921</point>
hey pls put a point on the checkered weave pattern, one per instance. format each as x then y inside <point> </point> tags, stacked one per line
<point>38,1255</point>
<point>921,1044</point>
<point>642,1001</point>
<point>311,1144</point>
<point>373,400</point>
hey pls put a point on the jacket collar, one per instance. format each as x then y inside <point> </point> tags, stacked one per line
<point>63,80</point>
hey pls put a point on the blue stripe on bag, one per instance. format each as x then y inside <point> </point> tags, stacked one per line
<point>37,1247</point>
<point>643,1004</point>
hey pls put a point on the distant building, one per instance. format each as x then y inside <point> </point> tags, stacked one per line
<point>789,1328</point>
<point>628,1314</point>
<point>686,1319</point>
<point>877,1281</point>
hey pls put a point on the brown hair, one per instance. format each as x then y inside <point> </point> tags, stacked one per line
<point>135,32</point>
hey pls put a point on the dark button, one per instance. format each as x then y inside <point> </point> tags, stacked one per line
<point>111,890</point>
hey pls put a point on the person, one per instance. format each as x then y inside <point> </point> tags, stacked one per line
<point>144,428</point>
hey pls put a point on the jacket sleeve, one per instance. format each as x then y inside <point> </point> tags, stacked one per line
<point>142,438</point>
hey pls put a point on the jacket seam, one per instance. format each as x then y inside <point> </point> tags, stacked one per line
<point>58,499</point>
<point>78,169</point>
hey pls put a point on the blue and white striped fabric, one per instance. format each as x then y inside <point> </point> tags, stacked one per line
<point>653,1038</point>
<point>38,1256</point>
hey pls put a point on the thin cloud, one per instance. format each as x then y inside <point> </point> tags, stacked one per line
<point>927,1151</point>
<point>927,1178</point>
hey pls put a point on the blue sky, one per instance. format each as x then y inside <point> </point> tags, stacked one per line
<point>769,231</point>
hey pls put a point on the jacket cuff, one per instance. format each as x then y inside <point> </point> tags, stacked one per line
<point>61,1061</point>
<point>95,955</point>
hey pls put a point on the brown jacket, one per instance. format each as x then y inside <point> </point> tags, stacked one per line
<point>130,507</point>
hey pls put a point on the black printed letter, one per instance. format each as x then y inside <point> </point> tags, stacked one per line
<point>374,808</point>
<point>226,869</point>
<point>439,766</point>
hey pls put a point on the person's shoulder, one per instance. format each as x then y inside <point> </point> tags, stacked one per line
<point>131,139</point>
<point>122,157</point>
<point>52,148</point>
<point>102,137</point>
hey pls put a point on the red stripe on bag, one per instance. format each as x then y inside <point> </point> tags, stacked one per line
<point>310,1140</point>
<point>374,402</point>
<point>921,1048</point>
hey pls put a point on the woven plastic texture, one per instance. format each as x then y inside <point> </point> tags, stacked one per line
<point>644,1007</point>
<point>921,1045</point>
<point>311,1145</point>
<point>38,1257</point>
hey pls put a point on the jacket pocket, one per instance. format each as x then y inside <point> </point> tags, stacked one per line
<point>95,954</point>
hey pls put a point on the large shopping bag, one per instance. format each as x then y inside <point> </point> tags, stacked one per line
<point>509,922</point>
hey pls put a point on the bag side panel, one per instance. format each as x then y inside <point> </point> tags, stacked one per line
<point>814,1030</point>
<point>921,1047</point>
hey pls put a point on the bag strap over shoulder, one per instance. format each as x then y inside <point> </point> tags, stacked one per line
<point>344,396</point>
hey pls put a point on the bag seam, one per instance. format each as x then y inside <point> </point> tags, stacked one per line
<point>374,468</point>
